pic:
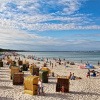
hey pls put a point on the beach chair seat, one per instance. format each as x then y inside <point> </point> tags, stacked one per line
<point>25,67</point>
<point>31,68</point>
<point>20,62</point>
<point>14,70</point>
<point>44,76</point>
<point>62,82</point>
<point>18,78</point>
<point>46,69</point>
<point>31,85</point>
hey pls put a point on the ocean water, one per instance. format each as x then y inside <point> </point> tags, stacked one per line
<point>91,57</point>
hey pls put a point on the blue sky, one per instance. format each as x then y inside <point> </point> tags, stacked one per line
<point>50,25</point>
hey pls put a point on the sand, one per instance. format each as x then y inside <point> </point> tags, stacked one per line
<point>82,89</point>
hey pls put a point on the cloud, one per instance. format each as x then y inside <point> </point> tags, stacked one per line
<point>71,6</point>
<point>17,39</point>
<point>64,7</point>
<point>35,15</point>
<point>11,38</point>
<point>45,26</point>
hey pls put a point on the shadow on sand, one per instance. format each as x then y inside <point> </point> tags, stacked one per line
<point>5,87</point>
<point>4,71</point>
<point>84,93</point>
<point>68,95</point>
<point>5,80</point>
<point>51,82</point>
<point>5,98</point>
<point>52,78</point>
<point>59,95</point>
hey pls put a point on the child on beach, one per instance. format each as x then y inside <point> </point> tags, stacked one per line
<point>40,87</point>
<point>73,77</point>
<point>63,89</point>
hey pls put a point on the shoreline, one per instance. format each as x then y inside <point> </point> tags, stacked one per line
<point>92,57</point>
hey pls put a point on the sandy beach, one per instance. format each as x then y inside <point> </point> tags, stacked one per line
<point>79,89</point>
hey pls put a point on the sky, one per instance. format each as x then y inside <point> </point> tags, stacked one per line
<point>50,25</point>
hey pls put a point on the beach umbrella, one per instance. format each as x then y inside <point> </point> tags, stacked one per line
<point>89,66</point>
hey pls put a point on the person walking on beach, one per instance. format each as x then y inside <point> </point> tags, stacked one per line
<point>65,64</point>
<point>52,65</point>
<point>40,87</point>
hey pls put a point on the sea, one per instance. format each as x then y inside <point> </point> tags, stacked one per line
<point>92,57</point>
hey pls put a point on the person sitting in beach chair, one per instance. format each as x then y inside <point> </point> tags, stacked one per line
<point>63,89</point>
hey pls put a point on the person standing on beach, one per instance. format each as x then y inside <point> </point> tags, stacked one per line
<point>47,60</point>
<point>52,65</point>
<point>98,63</point>
<point>65,64</point>
<point>55,65</point>
<point>59,61</point>
<point>70,75</point>
<point>40,87</point>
